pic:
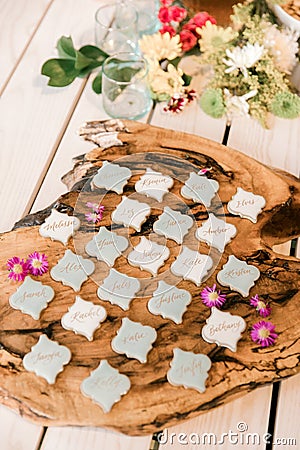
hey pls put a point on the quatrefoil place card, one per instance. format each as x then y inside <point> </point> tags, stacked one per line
<point>112,177</point>
<point>105,386</point>
<point>131,213</point>
<point>199,188</point>
<point>169,302</point>
<point>118,289</point>
<point>216,232</point>
<point>154,184</point>
<point>189,369</point>
<point>173,225</point>
<point>238,275</point>
<point>83,317</point>
<point>191,265</point>
<point>31,297</point>
<point>72,270</point>
<point>47,358</point>
<point>246,204</point>
<point>148,255</point>
<point>134,339</point>
<point>106,246</point>
<point>59,226</point>
<point>223,329</point>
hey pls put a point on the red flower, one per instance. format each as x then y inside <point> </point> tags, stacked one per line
<point>177,13</point>
<point>201,18</point>
<point>164,15</point>
<point>188,40</point>
<point>168,29</point>
<point>166,2</point>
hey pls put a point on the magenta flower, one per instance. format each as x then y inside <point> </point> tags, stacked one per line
<point>18,268</point>
<point>263,333</point>
<point>37,263</point>
<point>204,171</point>
<point>262,308</point>
<point>97,213</point>
<point>211,297</point>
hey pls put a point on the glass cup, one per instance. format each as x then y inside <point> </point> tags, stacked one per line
<point>125,90</point>
<point>148,22</point>
<point>116,27</point>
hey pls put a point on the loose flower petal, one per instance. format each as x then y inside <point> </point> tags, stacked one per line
<point>262,308</point>
<point>263,333</point>
<point>37,263</point>
<point>18,269</point>
<point>211,297</point>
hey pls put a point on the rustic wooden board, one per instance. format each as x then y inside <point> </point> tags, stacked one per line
<point>152,402</point>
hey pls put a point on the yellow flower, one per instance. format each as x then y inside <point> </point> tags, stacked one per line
<point>214,37</point>
<point>164,83</point>
<point>160,46</point>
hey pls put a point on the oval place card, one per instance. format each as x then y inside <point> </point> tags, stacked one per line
<point>118,289</point>
<point>223,329</point>
<point>134,339</point>
<point>148,255</point>
<point>238,275</point>
<point>46,359</point>
<point>216,232</point>
<point>154,184</point>
<point>105,386</point>
<point>191,265</point>
<point>31,297</point>
<point>59,226</point>
<point>173,225</point>
<point>112,177</point>
<point>189,369</point>
<point>131,213</point>
<point>169,302</point>
<point>83,318</point>
<point>106,246</point>
<point>72,270</point>
<point>246,204</point>
<point>200,189</point>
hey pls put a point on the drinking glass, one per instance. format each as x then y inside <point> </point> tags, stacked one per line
<point>147,10</point>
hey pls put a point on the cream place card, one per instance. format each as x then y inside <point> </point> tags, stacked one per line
<point>118,289</point>
<point>112,177</point>
<point>200,189</point>
<point>216,232</point>
<point>59,226</point>
<point>154,184</point>
<point>148,255</point>
<point>246,204</point>
<point>173,225</point>
<point>191,265</point>
<point>131,213</point>
<point>106,246</point>
<point>238,275</point>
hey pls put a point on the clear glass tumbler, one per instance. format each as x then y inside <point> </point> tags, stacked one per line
<point>125,90</point>
<point>116,27</point>
<point>148,22</point>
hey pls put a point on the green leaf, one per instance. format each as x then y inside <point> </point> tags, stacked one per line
<point>65,47</point>
<point>97,83</point>
<point>93,52</point>
<point>187,79</point>
<point>82,61</point>
<point>61,72</point>
<point>175,61</point>
<point>87,70</point>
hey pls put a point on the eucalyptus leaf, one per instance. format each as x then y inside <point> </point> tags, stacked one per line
<point>61,72</point>
<point>65,47</point>
<point>97,83</point>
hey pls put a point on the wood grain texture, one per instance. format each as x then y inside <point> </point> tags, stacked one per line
<point>153,403</point>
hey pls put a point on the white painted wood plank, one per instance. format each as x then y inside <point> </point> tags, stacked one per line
<point>18,21</point>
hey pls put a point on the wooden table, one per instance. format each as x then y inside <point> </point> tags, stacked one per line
<point>38,128</point>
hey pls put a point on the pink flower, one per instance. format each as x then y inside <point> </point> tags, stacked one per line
<point>94,206</point>
<point>190,26</point>
<point>37,263</point>
<point>97,213</point>
<point>188,40</point>
<point>18,269</point>
<point>177,13</point>
<point>176,104</point>
<point>191,95</point>
<point>211,297</point>
<point>164,15</point>
<point>166,2</point>
<point>201,18</point>
<point>263,308</point>
<point>263,333</point>
<point>168,29</point>
<point>204,171</point>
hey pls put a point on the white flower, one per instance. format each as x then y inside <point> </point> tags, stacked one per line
<point>283,46</point>
<point>165,83</point>
<point>237,105</point>
<point>214,37</point>
<point>242,58</point>
<point>160,46</point>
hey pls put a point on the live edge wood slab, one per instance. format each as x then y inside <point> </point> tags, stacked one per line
<point>152,403</point>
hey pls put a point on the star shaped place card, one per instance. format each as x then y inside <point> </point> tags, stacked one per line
<point>223,329</point>
<point>47,358</point>
<point>131,213</point>
<point>154,184</point>
<point>118,289</point>
<point>134,339</point>
<point>106,246</point>
<point>200,189</point>
<point>105,386</point>
<point>191,265</point>
<point>238,275</point>
<point>246,204</point>
<point>59,226</point>
<point>112,177</point>
<point>148,255</point>
<point>189,369</point>
<point>83,317</point>
<point>72,270</point>
<point>216,232</point>
<point>173,225</point>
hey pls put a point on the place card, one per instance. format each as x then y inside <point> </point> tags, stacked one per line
<point>216,232</point>
<point>223,329</point>
<point>131,213</point>
<point>199,188</point>
<point>31,297</point>
<point>105,386</point>
<point>154,184</point>
<point>148,255</point>
<point>246,204</point>
<point>72,270</point>
<point>111,177</point>
<point>238,275</point>
<point>59,226</point>
<point>191,265</point>
<point>169,302</point>
<point>106,246</point>
<point>173,225</point>
<point>83,317</point>
<point>46,359</point>
<point>134,339</point>
<point>118,289</point>
<point>189,369</point>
